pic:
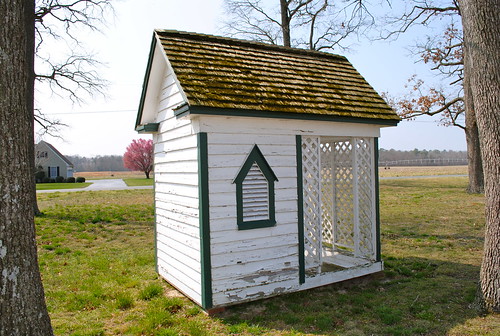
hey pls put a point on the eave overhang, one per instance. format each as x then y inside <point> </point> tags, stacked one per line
<point>145,83</point>
<point>147,128</point>
<point>188,110</point>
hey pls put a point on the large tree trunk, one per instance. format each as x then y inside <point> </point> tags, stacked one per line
<point>481,23</point>
<point>475,164</point>
<point>285,23</point>
<point>22,308</point>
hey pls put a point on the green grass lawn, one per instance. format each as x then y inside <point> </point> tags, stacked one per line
<point>53,186</point>
<point>136,182</point>
<point>96,254</point>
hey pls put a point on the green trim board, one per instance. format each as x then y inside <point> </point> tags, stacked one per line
<point>156,221</point>
<point>255,156</point>
<point>146,81</point>
<point>300,210</point>
<point>204,213</point>
<point>148,128</point>
<point>185,110</point>
<point>377,201</point>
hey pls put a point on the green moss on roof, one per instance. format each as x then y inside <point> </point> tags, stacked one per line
<point>227,73</point>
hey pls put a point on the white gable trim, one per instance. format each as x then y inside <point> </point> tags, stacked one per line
<point>160,66</point>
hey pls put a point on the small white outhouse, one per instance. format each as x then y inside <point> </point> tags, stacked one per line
<point>265,167</point>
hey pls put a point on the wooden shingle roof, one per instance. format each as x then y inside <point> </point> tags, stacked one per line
<point>230,74</point>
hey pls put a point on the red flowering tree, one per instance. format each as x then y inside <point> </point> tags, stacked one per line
<point>139,156</point>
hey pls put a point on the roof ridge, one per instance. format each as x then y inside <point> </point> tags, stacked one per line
<point>61,156</point>
<point>242,42</point>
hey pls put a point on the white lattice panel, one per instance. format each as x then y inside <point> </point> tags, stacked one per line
<point>343,194</point>
<point>366,196</point>
<point>312,192</point>
<point>327,201</point>
<point>339,198</point>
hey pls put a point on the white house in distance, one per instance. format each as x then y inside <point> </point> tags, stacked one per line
<point>51,161</point>
<point>265,167</point>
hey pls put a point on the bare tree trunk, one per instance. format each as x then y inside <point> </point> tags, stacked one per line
<point>481,23</point>
<point>22,301</point>
<point>36,209</point>
<point>475,164</point>
<point>285,23</point>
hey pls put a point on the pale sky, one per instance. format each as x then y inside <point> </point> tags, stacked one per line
<point>105,126</point>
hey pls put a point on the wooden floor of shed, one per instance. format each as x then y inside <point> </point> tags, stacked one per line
<point>337,261</point>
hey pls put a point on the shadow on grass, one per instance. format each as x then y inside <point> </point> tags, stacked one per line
<point>415,296</point>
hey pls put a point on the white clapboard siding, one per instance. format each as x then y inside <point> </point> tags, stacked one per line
<point>186,239</point>
<point>173,129</point>
<point>247,254</point>
<point>176,194</point>
<point>176,188</point>
<point>260,280</point>
<point>178,280</point>
<point>177,200</point>
<point>242,294</point>
<point>184,255</point>
<point>250,269</point>
<point>282,234</point>
<point>271,149</point>
<point>246,245</point>
<point>239,257</point>
<point>221,173</point>
<point>179,222</point>
<point>276,127</point>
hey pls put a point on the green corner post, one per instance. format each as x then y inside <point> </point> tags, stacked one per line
<point>300,210</point>
<point>204,213</point>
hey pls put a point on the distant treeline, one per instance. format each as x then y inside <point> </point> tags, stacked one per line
<point>98,163</point>
<point>422,157</point>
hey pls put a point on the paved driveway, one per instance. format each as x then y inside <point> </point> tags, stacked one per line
<point>106,184</point>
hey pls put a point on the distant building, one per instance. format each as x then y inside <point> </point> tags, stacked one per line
<point>51,161</point>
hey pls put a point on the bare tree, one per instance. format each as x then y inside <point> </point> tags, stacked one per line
<point>481,22</point>
<point>22,309</point>
<point>445,54</point>
<point>72,72</point>
<point>309,24</point>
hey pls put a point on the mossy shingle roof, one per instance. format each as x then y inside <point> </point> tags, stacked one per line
<point>225,73</point>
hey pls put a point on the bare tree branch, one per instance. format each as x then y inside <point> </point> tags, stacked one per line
<point>421,13</point>
<point>311,24</point>
<point>74,76</point>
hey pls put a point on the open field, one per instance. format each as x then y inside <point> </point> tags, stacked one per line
<point>422,171</point>
<point>96,254</point>
<point>393,171</point>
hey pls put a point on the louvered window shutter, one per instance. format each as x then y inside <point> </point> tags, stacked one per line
<point>255,195</point>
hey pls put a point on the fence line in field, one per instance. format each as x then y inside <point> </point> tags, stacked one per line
<point>423,162</point>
